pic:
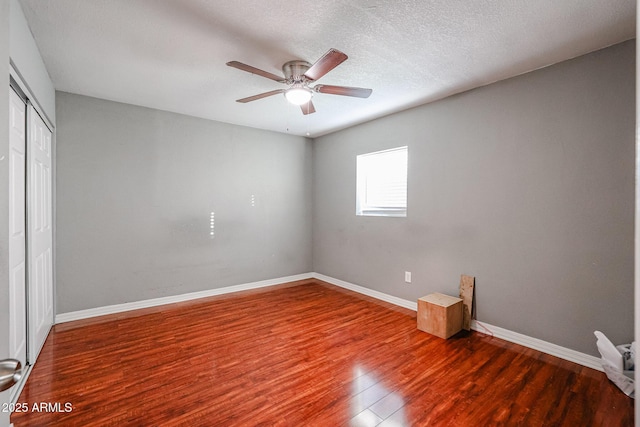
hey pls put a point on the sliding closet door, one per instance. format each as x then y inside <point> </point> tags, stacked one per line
<point>40,233</point>
<point>17,232</point>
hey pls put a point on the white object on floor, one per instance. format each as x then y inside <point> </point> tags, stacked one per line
<point>608,351</point>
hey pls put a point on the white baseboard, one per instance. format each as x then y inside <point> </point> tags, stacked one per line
<point>119,308</point>
<point>505,334</point>
<point>540,345</point>
<point>411,305</point>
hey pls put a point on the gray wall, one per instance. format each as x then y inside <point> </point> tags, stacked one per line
<point>527,184</point>
<point>4,196</point>
<point>136,187</point>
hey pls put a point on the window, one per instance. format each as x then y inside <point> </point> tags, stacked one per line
<point>381,188</point>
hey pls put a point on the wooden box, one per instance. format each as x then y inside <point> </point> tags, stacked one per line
<point>440,315</point>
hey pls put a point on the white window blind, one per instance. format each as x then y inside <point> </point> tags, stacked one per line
<point>382,183</point>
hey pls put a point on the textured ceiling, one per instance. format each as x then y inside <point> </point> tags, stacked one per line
<point>171,55</point>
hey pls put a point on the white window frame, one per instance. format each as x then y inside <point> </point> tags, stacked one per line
<point>369,169</point>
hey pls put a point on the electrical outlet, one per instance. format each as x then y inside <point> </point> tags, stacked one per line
<point>407,276</point>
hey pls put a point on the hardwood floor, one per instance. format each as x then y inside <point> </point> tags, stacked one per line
<point>302,354</point>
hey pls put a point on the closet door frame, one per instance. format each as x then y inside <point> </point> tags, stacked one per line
<point>33,108</point>
<point>18,262</point>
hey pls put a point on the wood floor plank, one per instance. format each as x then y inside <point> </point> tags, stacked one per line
<point>305,353</point>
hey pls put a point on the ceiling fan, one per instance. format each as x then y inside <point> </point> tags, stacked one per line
<point>298,75</point>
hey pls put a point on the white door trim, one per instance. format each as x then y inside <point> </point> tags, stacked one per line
<point>24,87</point>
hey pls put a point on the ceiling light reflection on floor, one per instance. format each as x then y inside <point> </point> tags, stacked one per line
<point>372,403</point>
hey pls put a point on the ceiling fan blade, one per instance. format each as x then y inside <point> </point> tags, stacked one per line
<point>358,92</point>
<point>328,62</point>
<point>308,108</point>
<point>260,96</point>
<point>254,70</point>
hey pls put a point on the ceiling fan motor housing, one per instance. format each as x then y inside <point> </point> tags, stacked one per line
<point>294,71</point>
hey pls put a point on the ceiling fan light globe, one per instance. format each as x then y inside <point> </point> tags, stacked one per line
<point>298,95</point>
